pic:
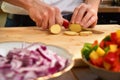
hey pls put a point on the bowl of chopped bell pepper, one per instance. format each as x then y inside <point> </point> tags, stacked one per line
<point>103,58</point>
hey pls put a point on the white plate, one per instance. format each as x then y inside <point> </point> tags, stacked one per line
<point>6,46</point>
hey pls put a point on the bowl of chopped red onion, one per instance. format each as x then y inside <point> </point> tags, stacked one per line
<point>33,61</point>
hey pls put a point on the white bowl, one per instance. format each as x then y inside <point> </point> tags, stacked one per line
<point>102,73</point>
<point>6,46</point>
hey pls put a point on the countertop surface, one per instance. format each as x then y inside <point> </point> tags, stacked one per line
<point>109,9</point>
<point>71,43</point>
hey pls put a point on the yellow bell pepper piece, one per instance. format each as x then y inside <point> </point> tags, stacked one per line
<point>107,66</point>
<point>93,55</point>
<point>113,47</point>
<point>100,51</point>
<point>118,33</point>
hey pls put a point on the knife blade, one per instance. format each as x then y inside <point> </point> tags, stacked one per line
<point>93,30</point>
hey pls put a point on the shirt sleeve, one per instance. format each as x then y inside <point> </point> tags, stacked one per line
<point>12,9</point>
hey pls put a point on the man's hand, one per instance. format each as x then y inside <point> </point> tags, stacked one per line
<point>44,15</point>
<point>85,15</point>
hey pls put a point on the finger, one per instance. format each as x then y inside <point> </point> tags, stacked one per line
<point>93,25</point>
<point>91,21</point>
<point>38,24</point>
<point>58,17</point>
<point>80,14</point>
<point>74,15</point>
<point>45,20</point>
<point>86,18</point>
<point>38,20</point>
<point>51,16</point>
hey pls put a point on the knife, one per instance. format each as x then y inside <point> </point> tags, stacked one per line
<point>93,30</point>
<point>66,25</point>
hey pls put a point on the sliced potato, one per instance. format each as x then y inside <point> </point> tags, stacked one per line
<point>55,29</point>
<point>75,27</point>
<point>71,33</point>
<point>85,33</point>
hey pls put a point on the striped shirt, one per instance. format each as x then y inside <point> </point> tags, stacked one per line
<point>63,5</point>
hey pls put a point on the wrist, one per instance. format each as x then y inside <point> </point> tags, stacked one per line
<point>26,4</point>
<point>93,3</point>
<point>21,3</point>
<point>32,4</point>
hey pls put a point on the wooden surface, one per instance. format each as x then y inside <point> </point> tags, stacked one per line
<point>106,6</point>
<point>109,9</point>
<point>71,43</point>
<point>79,73</point>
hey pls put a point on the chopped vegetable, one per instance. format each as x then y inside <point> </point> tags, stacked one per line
<point>106,49</point>
<point>70,33</point>
<point>107,66</point>
<point>85,33</point>
<point>113,48</point>
<point>65,24</point>
<point>75,27</point>
<point>107,38</point>
<point>106,54</point>
<point>113,37</point>
<point>86,50</point>
<point>97,62</point>
<point>30,63</point>
<point>118,33</point>
<point>94,55</point>
<point>100,51</point>
<point>55,29</point>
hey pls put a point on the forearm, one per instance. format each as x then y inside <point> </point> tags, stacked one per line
<point>21,3</point>
<point>93,3</point>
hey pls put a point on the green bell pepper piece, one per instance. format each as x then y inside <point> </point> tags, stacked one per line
<point>87,48</point>
<point>107,38</point>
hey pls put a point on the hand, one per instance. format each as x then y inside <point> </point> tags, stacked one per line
<point>85,15</point>
<point>44,15</point>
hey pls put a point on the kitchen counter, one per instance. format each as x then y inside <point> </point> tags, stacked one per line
<point>108,14</point>
<point>79,73</point>
<point>1,11</point>
<point>71,43</point>
<point>109,9</point>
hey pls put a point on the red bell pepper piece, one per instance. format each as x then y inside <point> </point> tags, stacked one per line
<point>116,66</point>
<point>118,42</point>
<point>113,37</point>
<point>102,44</point>
<point>107,43</point>
<point>65,24</point>
<point>95,43</point>
<point>98,62</point>
<point>111,57</point>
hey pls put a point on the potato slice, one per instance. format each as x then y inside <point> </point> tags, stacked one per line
<point>55,29</point>
<point>75,27</point>
<point>71,33</point>
<point>85,33</point>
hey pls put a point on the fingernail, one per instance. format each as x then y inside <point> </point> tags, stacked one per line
<point>77,22</point>
<point>81,24</point>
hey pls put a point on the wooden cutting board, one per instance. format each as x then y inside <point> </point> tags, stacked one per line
<point>71,43</point>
